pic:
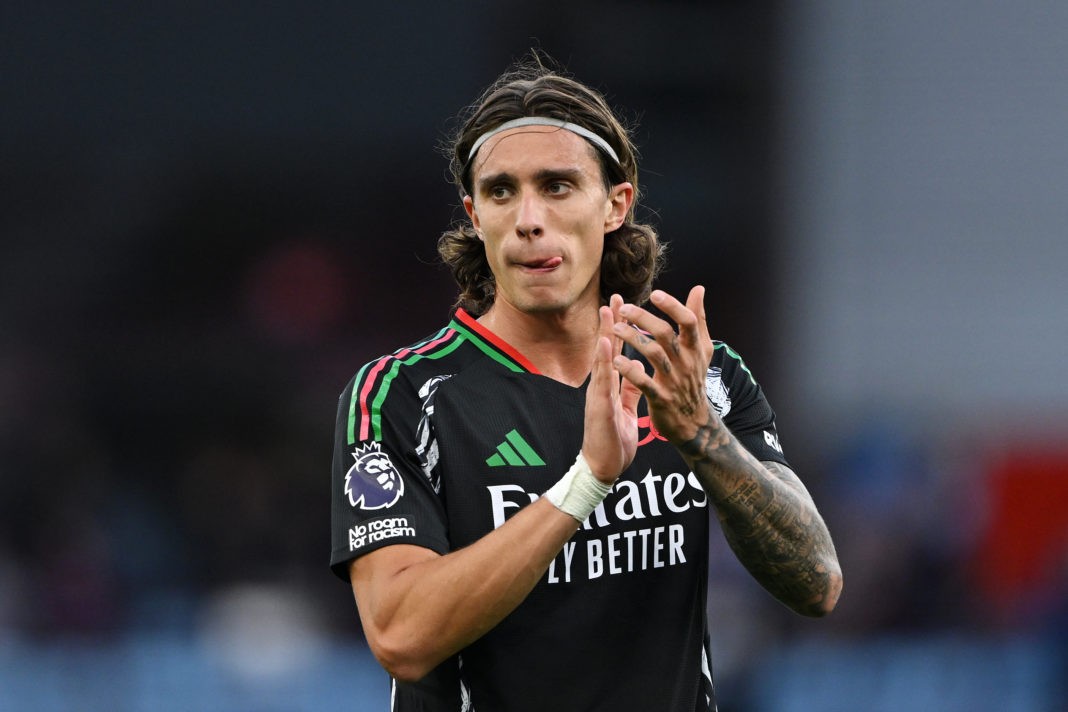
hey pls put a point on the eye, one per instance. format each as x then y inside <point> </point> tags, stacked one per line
<point>557,188</point>
<point>499,192</point>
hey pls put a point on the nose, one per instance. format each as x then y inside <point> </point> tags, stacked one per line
<point>529,220</point>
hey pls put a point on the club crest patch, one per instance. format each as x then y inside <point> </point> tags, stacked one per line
<point>373,482</point>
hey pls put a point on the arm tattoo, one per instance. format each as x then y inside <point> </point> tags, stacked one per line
<point>769,520</point>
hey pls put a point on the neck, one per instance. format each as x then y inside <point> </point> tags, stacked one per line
<point>560,344</point>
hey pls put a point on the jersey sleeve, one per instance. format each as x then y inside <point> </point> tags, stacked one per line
<point>740,401</point>
<point>380,492</point>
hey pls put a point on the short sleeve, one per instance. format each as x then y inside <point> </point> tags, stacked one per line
<point>735,394</point>
<point>380,492</point>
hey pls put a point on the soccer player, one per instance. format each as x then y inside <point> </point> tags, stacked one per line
<point>521,500</point>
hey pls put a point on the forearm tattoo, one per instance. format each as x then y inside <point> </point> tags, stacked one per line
<point>769,520</point>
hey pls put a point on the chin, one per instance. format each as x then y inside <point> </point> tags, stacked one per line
<point>546,304</point>
<point>548,301</point>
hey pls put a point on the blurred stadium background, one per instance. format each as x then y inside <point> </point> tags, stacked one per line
<point>212,214</point>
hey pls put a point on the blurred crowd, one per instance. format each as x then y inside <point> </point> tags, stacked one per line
<point>167,445</point>
<point>168,424</point>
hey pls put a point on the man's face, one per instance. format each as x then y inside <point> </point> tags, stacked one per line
<point>540,206</point>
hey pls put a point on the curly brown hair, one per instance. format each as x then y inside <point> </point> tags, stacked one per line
<point>633,254</point>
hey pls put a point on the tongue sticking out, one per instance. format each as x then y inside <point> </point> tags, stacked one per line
<point>547,264</point>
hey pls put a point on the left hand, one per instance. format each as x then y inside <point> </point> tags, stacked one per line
<point>675,392</point>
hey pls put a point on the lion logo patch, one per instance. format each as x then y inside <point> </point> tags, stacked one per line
<point>373,482</point>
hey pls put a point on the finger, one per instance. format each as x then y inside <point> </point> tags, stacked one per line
<point>599,396</point>
<point>653,326</point>
<point>629,396</point>
<point>646,345</point>
<point>607,319</point>
<point>602,360</point>
<point>634,373</point>
<point>614,303</point>
<point>608,346</point>
<point>696,304</point>
<point>681,314</point>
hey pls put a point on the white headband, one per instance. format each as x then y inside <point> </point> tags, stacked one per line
<point>544,121</point>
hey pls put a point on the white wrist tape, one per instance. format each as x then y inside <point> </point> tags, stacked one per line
<point>578,492</point>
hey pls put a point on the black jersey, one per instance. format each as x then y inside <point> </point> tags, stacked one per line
<point>439,443</point>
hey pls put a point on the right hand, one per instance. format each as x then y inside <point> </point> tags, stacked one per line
<point>610,437</point>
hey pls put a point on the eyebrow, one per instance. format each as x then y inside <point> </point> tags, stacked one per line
<point>545,175</point>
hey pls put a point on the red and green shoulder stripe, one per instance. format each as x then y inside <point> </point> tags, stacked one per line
<point>372,383</point>
<point>731,353</point>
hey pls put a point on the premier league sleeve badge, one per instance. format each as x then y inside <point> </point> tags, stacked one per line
<point>373,482</point>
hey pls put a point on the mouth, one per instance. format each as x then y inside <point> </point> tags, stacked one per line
<point>544,265</point>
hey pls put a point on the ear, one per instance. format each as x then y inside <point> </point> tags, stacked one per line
<point>620,198</point>
<point>469,207</point>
